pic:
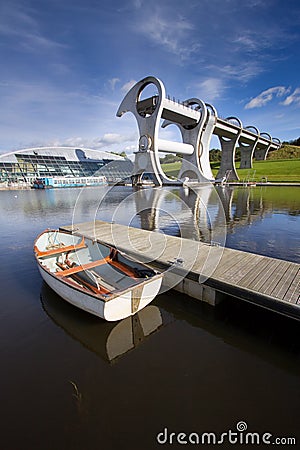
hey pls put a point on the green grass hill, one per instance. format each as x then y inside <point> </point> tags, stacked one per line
<point>285,152</point>
<point>282,165</point>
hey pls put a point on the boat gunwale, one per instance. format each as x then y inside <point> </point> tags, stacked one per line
<point>74,285</point>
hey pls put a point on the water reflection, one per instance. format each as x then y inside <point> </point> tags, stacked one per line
<point>267,335</point>
<point>243,326</point>
<point>239,206</point>
<point>109,340</point>
<point>181,212</point>
<point>261,220</point>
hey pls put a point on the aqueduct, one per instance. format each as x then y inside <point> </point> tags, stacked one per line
<point>197,122</point>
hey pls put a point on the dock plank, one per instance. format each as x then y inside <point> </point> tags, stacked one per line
<point>260,282</point>
<point>292,294</point>
<point>237,273</point>
<point>249,280</point>
<point>227,269</point>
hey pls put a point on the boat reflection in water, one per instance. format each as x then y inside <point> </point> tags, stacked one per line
<point>109,340</point>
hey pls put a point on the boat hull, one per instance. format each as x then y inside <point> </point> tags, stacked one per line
<point>121,306</point>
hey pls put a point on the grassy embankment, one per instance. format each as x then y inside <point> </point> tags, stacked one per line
<point>273,169</point>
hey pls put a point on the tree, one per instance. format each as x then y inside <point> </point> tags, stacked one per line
<point>123,154</point>
<point>295,142</point>
<point>169,158</point>
<point>215,155</point>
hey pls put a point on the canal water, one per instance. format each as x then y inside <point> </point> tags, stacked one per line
<point>72,381</point>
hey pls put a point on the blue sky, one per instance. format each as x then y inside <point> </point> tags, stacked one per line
<point>66,65</point>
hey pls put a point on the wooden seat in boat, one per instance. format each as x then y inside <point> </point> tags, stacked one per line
<point>61,248</point>
<point>80,268</point>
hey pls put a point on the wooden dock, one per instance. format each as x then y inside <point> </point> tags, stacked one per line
<point>204,271</point>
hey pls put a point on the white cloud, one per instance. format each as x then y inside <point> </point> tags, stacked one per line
<point>242,71</point>
<point>209,89</point>
<point>19,27</point>
<point>257,39</point>
<point>293,98</point>
<point>115,140</point>
<point>172,33</point>
<point>113,82</point>
<point>247,42</point>
<point>266,96</point>
<point>44,112</point>
<point>127,86</point>
<point>225,74</point>
<point>131,148</point>
<point>137,4</point>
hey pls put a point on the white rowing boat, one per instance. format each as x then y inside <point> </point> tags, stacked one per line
<point>93,276</point>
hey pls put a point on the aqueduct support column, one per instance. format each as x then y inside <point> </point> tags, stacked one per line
<point>227,167</point>
<point>247,150</point>
<point>205,141</point>
<point>260,154</point>
<point>262,150</point>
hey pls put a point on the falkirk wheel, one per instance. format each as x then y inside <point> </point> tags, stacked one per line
<point>191,116</point>
<point>197,122</point>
